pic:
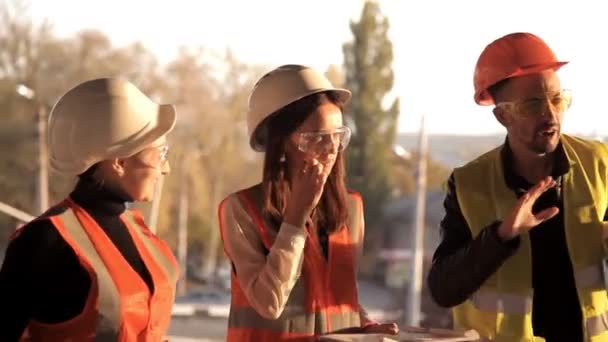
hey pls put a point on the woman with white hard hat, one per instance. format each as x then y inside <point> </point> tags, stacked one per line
<point>89,268</point>
<point>293,239</point>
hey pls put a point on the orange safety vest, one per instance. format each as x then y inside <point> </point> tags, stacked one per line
<point>323,299</point>
<point>119,306</point>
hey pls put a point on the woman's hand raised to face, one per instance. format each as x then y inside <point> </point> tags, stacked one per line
<point>307,185</point>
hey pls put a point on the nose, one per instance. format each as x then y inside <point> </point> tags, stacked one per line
<point>552,109</point>
<point>331,147</point>
<point>552,113</point>
<point>165,168</point>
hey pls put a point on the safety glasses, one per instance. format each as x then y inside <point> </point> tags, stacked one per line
<point>155,156</point>
<point>324,142</point>
<point>555,102</point>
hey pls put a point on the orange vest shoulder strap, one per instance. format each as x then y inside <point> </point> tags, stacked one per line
<point>253,199</point>
<point>355,216</point>
<point>108,303</point>
<point>160,252</point>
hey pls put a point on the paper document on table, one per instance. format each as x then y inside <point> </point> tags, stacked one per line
<point>407,335</point>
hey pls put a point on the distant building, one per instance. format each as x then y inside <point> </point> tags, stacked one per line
<point>395,265</point>
<point>398,235</point>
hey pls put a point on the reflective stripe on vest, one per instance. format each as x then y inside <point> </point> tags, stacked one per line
<point>108,304</point>
<point>522,305</point>
<point>514,304</point>
<point>593,277</point>
<point>502,302</point>
<point>596,325</point>
<point>167,264</point>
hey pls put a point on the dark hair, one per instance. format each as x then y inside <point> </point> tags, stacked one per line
<point>495,89</point>
<point>331,212</point>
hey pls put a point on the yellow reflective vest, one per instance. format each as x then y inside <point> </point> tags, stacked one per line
<point>501,309</point>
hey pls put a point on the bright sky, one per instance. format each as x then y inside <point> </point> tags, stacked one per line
<point>436,44</point>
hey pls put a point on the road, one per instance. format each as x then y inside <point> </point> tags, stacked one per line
<point>198,328</point>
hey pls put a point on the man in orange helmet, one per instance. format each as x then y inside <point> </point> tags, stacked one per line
<point>522,249</point>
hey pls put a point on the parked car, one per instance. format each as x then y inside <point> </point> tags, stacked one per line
<point>207,302</point>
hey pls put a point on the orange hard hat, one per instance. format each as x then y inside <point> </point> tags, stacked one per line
<point>516,54</point>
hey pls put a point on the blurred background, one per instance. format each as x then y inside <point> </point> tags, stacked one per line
<point>409,64</point>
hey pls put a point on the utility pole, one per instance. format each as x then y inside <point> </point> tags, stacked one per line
<point>155,206</point>
<point>182,232</point>
<point>43,174</point>
<point>415,287</point>
<point>210,261</point>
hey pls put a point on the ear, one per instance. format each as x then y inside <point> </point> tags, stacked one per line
<point>118,166</point>
<point>502,116</point>
<point>289,145</point>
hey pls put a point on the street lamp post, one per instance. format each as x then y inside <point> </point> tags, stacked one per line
<point>415,288</point>
<point>43,177</point>
<point>155,206</point>
<point>182,216</point>
<point>210,261</point>
<point>182,226</point>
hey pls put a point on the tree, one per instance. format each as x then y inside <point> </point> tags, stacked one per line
<point>209,146</point>
<point>368,65</point>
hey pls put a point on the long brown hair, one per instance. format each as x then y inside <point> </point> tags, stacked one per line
<point>331,213</point>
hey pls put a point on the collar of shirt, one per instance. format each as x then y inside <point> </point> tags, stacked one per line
<point>518,183</point>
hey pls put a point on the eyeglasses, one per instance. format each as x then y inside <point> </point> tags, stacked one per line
<point>324,141</point>
<point>159,159</point>
<point>556,102</point>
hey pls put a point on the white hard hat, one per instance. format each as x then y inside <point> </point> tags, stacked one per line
<point>103,119</point>
<point>277,89</point>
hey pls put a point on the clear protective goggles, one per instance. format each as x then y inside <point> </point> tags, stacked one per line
<point>156,156</point>
<point>557,102</point>
<point>324,142</point>
<point>164,154</point>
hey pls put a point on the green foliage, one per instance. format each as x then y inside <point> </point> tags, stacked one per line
<point>369,75</point>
